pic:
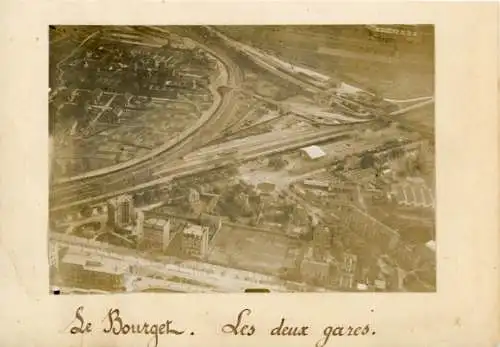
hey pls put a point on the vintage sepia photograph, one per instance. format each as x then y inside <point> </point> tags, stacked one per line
<point>250,158</point>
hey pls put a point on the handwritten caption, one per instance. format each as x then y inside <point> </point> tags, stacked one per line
<point>113,323</point>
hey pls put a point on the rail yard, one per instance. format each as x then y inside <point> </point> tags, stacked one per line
<point>185,156</point>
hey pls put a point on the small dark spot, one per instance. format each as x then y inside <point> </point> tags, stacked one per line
<point>37,38</point>
<point>192,333</point>
<point>372,310</point>
<point>56,292</point>
<point>373,333</point>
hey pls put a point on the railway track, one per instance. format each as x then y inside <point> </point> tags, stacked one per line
<point>148,173</point>
<point>97,185</point>
<point>234,78</point>
<point>212,161</point>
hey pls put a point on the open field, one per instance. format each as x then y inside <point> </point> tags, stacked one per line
<point>250,249</point>
<point>348,54</point>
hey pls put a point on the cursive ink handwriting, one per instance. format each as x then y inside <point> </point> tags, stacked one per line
<point>342,331</point>
<point>116,326</point>
<point>83,327</point>
<point>239,328</point>
<point>284,330</point>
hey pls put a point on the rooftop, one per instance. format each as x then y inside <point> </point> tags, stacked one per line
<point>431,245</point>
<point>94,263</point>
<point>318,183</point>
<point>266,186</point>
<point>194,229</point>
<point>121,198</point>
<point>313,152</point>
<point>156,222</point>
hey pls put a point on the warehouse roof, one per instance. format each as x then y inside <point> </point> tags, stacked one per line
<point>313,152</point>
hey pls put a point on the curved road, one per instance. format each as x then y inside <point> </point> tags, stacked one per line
<point>142,176</point>
<point>141,171</point>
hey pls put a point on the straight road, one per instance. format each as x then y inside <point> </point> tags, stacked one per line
<point>220,278</point>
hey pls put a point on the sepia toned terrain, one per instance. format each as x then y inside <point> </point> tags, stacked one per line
<point>232,158</point>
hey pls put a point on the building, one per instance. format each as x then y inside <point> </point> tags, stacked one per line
<point>423,254</point>
<point>346,281</point>
<point>345,192</point>
<point>392,32</point>
<point>120,210</point>
<point>412,194</point>
<point>94,272</point>
<point>195,240</point>
<point>139,225</point>
<point>155,234</point>
<point>296,231</point>
<point>347,272</point>
<point>350,262</point>
<point>396,150</point>
<point>380,284</point>
<point>214,223</point>
<point>313,268</point>
<point>367,226</point>
<point>194,201</point>
<point>97,96</point>
<point>431,245</point>
<point>54,253</point>
<point>316,184</point>
<point>193,196</point>
<point>212,203</point>
<point>322,237</point>
<point>266,187</point>
<point>312,152</point>
<point>362,287</point>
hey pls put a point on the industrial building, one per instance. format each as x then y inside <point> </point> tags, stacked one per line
<point>367,226</point>
<point>84,271</point>
<point>154,233</point>
<point>214,223</point>
<point>312,152</point>
<point>316,184</point>
<point>322,237</point>
<point>347,271</point>
<point>120,211</point>
<point>350,262</point>
<point>314,269</point>
<point>195,240</point>
<point>412,195</point>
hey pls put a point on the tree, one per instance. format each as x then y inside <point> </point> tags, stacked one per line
<point>277,163</point>
<point>128,98</point>
<point>232,169</point>
<point>148,196</point>
<point>422,161</point>
<point>410,166</point>
<point>138,199</point>
<point>86,211</point>
<point>97,95</point>
<point>367,161</point>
